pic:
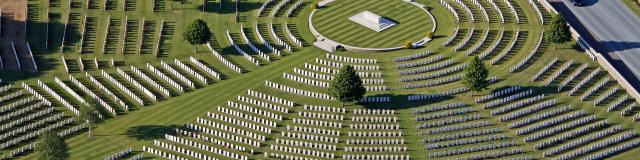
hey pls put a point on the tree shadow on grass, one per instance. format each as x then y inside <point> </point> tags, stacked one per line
<point>149,132</point>
<point>400,102</point>
<point>577,47</point>
<point>439,36</point>
<point>229,6</point>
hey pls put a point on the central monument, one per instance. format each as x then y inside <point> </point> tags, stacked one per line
<point>372,21</point>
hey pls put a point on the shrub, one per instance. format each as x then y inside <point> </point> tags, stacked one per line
<point>408,45</point>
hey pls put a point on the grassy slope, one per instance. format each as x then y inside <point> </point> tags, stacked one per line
<point>111,136</point>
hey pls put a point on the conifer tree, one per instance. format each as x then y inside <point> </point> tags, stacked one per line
<point>347,86</point>
<point>475,75</point>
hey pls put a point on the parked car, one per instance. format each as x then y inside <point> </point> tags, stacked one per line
<point>576,2</point>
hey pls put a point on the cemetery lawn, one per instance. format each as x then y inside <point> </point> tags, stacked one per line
<point>114,135</point>
<point>144,124</point>
<point>412,23</point>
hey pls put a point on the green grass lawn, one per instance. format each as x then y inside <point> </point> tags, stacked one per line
<point>139,127</point>
<point>633,5</point>
<point>332,21</point>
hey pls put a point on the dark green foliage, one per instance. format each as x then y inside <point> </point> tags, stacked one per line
<point>347,86</point>
<point>475,75</point>
<point>558,30</point>
<point>51,147</point>
<point>197,32</point>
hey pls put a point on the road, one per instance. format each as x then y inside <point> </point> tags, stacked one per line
<point>612,28</point>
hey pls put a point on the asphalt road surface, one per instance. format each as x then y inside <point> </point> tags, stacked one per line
<point>613,30</point>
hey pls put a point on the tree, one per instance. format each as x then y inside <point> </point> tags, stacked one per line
<point>50,146</point>
<point>475,75</point>
<point>430,35</point>
<point>408,45</point>
<point>347,86</point>
<point>314,6</point>
<point>558,31</point>
<point>89,114</point>
<point>197,33</point>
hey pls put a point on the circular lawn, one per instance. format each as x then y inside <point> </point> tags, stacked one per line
<point>412,23</point>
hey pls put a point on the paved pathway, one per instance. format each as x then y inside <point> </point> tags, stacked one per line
<point>612,28</point>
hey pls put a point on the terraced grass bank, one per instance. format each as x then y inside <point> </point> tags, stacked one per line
<point>253,92</point>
